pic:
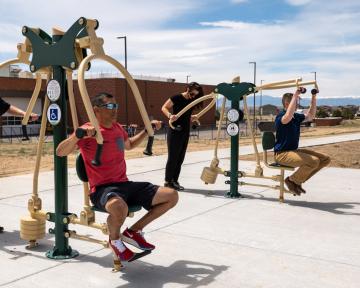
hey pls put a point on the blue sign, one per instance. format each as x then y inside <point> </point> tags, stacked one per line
<point>54,114</point>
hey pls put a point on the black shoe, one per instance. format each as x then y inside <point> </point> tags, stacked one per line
<point>1,229</point>
<point>301,189</point>
<point>178,186</point>
<point>169,185</point>
<point>293,187</point>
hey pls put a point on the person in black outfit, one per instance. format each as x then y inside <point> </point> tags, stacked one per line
<point>177,140</point>
<point>6,107</point>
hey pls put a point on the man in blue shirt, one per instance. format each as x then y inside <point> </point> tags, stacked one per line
<point>286,149</point>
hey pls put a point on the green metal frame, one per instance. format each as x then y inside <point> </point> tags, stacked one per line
<point>58,52</point>
<point>48,52</point>
<point>235,93</point>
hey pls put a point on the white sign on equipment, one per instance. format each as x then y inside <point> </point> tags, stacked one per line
<point>53,90</point>
<point>233,115</point>
<point>232,129</point>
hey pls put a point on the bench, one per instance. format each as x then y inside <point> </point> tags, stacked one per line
<point>268,130</point>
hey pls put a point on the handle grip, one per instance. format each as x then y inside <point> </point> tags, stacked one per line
<point>148,149</point>
<point>314,91</point>
<point>81,133</point>
<point>96,161</point>
<point>302,90</point>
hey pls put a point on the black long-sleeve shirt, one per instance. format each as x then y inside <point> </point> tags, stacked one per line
<point>4,106</point>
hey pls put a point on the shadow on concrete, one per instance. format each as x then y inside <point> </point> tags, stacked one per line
<point>331,207</point>
<point>205,192</point>
<point>144,274</point>
<point>189,273</point>
<point>10,240</point>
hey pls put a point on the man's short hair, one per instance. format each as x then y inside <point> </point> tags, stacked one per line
<point>287,98</point>
<point>99,98</point>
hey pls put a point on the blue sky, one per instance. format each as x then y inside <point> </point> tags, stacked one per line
<point>213,40</point>
<point>247,11</point>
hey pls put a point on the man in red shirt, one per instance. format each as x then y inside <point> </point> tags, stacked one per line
<point>110,189</point>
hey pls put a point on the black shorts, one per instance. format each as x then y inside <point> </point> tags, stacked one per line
<point>133,193</point>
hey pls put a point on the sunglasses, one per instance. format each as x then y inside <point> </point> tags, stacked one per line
<point>110,106</point>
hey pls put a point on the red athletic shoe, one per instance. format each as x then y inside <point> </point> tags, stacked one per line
<point>136,239</point>
<point>120,250</point>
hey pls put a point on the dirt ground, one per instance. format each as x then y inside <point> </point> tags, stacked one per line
<point>19,158</point>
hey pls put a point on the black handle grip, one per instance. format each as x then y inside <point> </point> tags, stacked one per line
<point>314,91</point>
<point>148,149</point>
<point>302,90</point>
<point>96,161</point>
<point>81,133</point>
<point>194,126</point>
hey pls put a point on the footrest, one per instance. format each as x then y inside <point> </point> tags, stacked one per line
<point>140,255</point>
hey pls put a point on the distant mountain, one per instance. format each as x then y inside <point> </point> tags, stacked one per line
<point>304,102</point>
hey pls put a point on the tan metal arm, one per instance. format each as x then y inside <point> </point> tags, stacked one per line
<point>284,86</point>
<point>194,103</point>
<point>86,99</point>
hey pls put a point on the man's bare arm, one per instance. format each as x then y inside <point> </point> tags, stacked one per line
<point>310,115</point>
<point>68,146</point>
<point>291,108</point>
<point>136,140</point>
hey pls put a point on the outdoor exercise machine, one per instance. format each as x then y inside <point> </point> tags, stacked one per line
<point>235,92</point>
<point>24,51</point>
<point>58,56</point>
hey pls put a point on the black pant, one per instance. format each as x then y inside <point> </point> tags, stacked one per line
<point>177,142</point>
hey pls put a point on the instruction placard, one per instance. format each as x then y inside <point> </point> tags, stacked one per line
<point>53,90</point>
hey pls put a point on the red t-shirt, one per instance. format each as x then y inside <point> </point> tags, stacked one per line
<point>113,166</point>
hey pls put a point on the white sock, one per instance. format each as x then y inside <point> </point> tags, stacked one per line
<point>119,245</point>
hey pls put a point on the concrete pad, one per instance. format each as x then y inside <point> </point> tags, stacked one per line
<point>206,240</point>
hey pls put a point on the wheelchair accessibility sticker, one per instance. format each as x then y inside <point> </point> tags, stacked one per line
<point>54,114</point>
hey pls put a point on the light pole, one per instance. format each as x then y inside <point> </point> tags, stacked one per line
<point>254,62</point>
<point>126,94</point>
<point>187,78</point>
<point>261,108</point>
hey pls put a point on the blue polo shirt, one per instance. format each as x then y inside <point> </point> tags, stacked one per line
<point>287,135</point>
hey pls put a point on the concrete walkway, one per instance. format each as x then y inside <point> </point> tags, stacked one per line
<point>206,240</point>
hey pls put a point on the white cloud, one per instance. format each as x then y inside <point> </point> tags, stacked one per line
<point>228,24</point>
<point>320,38</point>
<point>298,2</point>
<point>239,1</point>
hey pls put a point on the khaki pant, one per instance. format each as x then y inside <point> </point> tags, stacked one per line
<point>308,161</point>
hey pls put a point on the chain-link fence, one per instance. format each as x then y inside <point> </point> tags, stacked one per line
<point>12,134</point>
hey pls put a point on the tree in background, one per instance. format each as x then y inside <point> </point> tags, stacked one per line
<point>322,113</point>
<point>347,113</point>
<point>337,113</point>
